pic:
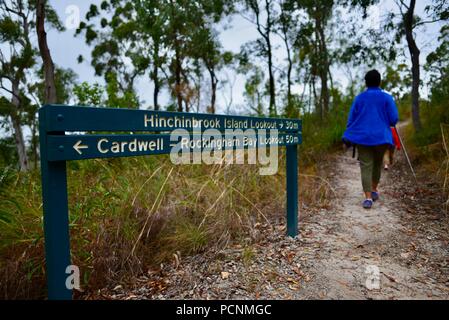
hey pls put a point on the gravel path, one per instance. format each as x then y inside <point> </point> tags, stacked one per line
<point>398,250</point>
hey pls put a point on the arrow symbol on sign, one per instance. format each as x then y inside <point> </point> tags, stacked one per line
<point>78,147</point>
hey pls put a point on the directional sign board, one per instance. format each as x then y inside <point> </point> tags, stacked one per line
<point>78,132</point>
<point>78,147</point>
<point>74,118</point>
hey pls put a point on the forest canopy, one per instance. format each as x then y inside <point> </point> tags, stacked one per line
<point>307,58</point>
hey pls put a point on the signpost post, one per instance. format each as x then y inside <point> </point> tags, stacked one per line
<point>137,133</point>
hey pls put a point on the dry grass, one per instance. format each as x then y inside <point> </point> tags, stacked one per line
<point>128,215</point>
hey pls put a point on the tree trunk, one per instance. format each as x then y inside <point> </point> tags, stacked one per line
<point>414,54</point>
<point>178,80</point>
<point>318,104</point>
<point>324,92</point>
<point>265,33</point>
<point>272,109</point>
<point>289,78</point>
<point>49,68</point>
<point>20,143</point>
<point>213,82</point>
<point>18,133</point>
<point>155,74</point>
<point>284,27</point>
<point>289,71</point>
<point>34,144</point>
<point>156,87</point>
<point>259,104</point>
<point>323,64</point>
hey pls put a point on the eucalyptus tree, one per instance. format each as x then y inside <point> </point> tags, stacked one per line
<point>152,16</point>
<point>21,72</point>
<point>17,56</point>
<point>255,86</point>
<point>310,42</point>
<point>263,16</point>
<point>438,68</point>
<point>286,27</point>
<point>323,40</point>
<point>190,36</point>
<point>406,26</point>
<point>205,47</point>
<point>133,38</point>
<point>110,29</point>
<point>49,68</point>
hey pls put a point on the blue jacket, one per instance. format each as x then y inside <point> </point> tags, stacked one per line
<point>372,114</point>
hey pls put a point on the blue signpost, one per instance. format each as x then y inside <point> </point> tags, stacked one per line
<point>137,133</point>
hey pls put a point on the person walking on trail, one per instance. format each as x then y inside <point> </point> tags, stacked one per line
<point>371,117</point>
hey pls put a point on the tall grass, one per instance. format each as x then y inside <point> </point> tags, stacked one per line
<point>429,146</point>
<point>129,214</point>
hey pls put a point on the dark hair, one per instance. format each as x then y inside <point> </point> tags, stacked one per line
<point>373,78</point>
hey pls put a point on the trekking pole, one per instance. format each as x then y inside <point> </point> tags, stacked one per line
<point>406,154</point>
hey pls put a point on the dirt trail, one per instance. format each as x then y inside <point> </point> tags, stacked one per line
<point>361,242</point>
<point>402,237</point>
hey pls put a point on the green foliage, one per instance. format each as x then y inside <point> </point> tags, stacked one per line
<point>436,111</point>
<point>94,95</point>
<point>396,80</point>
<point>8,155</point>
<point>88,95</point>
<point>64,80</point>
<point>6,107</point>
<point>156,37</point>
<point>438,67</point>
<point>117,98</point>
<point>322,136</point>
<point>9,30</point>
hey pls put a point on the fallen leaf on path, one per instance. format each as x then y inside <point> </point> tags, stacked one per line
<point>292,280</point>
<point>391,278</point>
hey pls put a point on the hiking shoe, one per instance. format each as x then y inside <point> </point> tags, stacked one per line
<point>367,204</point>
<point>375,195</point>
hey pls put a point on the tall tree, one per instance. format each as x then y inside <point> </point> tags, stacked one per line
<point>16,22</point>
<point>320,13</point>
<point>206,47</point>
<point>151,16</point>
<point>438,68</point>
<point>437,11</point>
<point>49,67</point>
<point>178,32</point>
<point>114,46</point>
<point>286,28</point>
<point>265,30</point>
<point>409,22</point>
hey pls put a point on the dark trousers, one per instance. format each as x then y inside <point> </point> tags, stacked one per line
<point>371,159</point>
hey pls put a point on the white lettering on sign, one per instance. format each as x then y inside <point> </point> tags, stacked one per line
<point>154,121</point>
<point>236,124</point>
<point>105,146</point>
<point>209,145</point>
<point>261,124</point>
